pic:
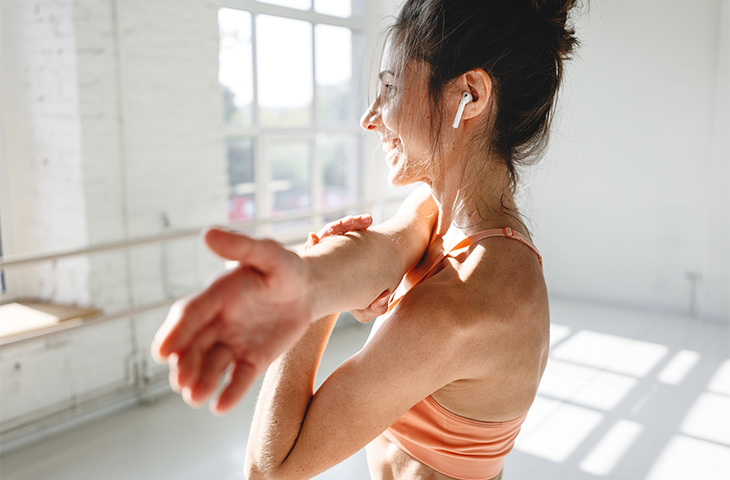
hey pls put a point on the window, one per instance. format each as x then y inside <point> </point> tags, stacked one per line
<point>289,72</point>
<point>2,274</point>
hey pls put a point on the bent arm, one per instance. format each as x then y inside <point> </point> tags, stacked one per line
<point>253,313</point>
<point>283,401</point>
<point>350,271</point>
<point>297,434</point>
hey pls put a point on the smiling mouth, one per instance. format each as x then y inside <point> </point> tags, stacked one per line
<point>390,145</point>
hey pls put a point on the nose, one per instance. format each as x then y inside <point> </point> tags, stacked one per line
<point>371,118</point>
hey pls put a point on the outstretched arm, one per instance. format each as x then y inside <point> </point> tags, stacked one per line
<point>253,313</point>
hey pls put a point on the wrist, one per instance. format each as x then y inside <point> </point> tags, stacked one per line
<point>314,288</point>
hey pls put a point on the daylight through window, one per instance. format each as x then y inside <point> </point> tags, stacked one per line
<point>289,73</point>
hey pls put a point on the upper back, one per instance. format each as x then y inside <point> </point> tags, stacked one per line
<point>492,285</point>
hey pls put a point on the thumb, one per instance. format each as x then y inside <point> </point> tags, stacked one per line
<point>238,247</point>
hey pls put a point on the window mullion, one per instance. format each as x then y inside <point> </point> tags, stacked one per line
<point>255,71</point>
<point>266,140</point>
<point>353,23</point>
<point>263,192</point>
<point>262,175</point>
<point>316,168</point>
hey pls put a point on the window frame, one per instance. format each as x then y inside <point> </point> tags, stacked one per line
<point>263,135</point>
<point>4,194</point>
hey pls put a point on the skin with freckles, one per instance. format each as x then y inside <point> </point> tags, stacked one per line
<point>475,312</point>
<point>342,226</point>
<point>474,335</point>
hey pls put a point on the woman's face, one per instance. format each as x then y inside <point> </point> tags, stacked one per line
<point>401,116</point>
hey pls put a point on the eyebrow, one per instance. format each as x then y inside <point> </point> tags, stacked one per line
<point>384,73</point>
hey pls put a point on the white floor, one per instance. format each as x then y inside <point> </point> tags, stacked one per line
<point>627,395</point>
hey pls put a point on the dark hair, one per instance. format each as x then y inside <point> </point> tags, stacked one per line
<point>521,44</point>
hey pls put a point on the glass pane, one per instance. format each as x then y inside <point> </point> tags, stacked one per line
<point>284,56</point>
<point>241,179</point>
<point>290,161</point>
<point>298,4</point>
<point>340,169</point>
<point>235,67</point>
<point>336,8</point>
<point>335,93</point>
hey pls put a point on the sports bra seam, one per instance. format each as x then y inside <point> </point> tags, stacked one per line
<point>477,423</point>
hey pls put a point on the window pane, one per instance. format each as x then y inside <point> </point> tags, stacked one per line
<point>235,70</point>
<point>241,179</point>
<point>284,56</point>
<point>340,160</point>
<point>336,8</point>
<point>298,4</point>
<point>335,93</point>
<point>290,162</point>
<point>2,274</point>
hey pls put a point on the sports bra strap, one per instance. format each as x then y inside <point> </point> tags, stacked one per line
<point>468,242</point>
<point>496,232</point>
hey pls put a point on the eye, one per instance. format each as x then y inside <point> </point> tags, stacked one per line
<point>389,88</point>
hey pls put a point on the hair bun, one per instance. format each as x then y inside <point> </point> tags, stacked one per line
<point>555,14</point>
<point>556,10</point>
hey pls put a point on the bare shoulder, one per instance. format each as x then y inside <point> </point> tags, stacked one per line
<point>490,305</point>
<point>506,279</point>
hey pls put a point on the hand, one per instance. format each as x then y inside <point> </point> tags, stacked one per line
<point>340,227</point>
<point>243,320</point>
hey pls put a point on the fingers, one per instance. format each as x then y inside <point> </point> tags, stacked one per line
<point>340,227</point>
<point>375,309</point>
<point>261,254</point>
<point>215,364</point>
<point>242,377</point>
<point>189,364</point>
<point>362,222</point>
<point>184,320</point>
<point>312,240</point>
<point>345,225</point>
<point>173,373</point>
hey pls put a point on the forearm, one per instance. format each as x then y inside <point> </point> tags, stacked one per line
<point>348,272</point>
<point>282,404</point>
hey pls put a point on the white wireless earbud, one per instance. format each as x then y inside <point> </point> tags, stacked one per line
<point>465,98</point>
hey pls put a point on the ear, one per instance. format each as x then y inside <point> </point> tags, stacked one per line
<point>479,84</point>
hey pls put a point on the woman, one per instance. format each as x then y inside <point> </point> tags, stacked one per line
<point>447,377</point>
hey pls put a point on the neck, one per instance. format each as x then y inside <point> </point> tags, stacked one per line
<point>474,199</point>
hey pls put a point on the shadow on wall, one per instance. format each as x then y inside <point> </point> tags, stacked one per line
<point>629,396</point>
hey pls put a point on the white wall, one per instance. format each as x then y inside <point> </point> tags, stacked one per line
<point>117,128</point>
<point>113,119</point>
<point>633,194</point>
<point>116,120</point>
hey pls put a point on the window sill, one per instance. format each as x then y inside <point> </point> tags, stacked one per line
<point>28,318</point>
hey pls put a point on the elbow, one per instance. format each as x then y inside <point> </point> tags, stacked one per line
<point>258,471</point>
<point>251,472</point>
<point>255,474</point>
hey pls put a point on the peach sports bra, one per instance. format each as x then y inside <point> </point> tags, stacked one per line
<point>449,443</point>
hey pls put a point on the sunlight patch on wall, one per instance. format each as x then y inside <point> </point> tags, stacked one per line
<point>611,352</point>
<point>553,430</point>
<point>708,460</point>
<point>720,382</point>
<point>678,368</point>
<point>558,333</point>
<point>709,418</point>
<point>611,448</point>
<point>585,385</point>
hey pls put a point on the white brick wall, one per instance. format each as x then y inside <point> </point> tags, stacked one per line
<point>117,122</point>
<point>44,143</point>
